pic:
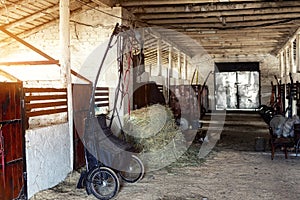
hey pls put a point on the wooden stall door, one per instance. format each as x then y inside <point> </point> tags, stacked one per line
<point>81,102</point>
<point>13,168</point>
<point>81,98</point>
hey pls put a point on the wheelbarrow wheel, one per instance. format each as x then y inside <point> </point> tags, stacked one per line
<point>103,183</point>
<point>134,172</point>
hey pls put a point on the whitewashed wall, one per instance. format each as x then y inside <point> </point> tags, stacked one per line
<point>47,156</point>
<point>48,148</point>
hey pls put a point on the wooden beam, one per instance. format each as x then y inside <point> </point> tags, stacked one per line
<point>159,57</point>
<point>50,61</point>
<point>126,3</point>
<point>298,51</point>
<point>217,13</point>
<point>155,32</point>
<point>9,76</point>
<point>230,19</point>
<point>31,17</point>
<point>232,26</point>
<point>65,62</point>
<point>209,7</point>
<point>108,3</point>
<point>39,62</point>
<point>170,63</point>
<point>26,44</point>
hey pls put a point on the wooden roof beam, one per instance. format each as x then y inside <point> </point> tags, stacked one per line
<point>39,51</point>
<point>168,7</point>
<point>35,62</point>
<point>9,76</point>
<point>108,3</point>
<point>232,26</point>
<point>175,2</point>
<point>31,17</point>
<point>224,13</point>
<point>231,19</point>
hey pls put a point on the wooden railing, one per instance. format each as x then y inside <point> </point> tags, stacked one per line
<point>45,101</point>
<point>102,97</point>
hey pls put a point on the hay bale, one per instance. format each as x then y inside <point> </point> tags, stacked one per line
<point>152,130</point>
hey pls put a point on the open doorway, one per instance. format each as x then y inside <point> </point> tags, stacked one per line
<point>237,86</point>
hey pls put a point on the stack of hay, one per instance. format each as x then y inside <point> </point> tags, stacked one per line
<point>152,130</point>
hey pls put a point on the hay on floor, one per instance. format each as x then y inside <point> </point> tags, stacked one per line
<point>153,132</point>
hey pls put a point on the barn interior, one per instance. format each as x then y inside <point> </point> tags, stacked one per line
<point>223,70</point>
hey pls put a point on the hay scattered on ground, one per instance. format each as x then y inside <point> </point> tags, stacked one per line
<point>153,132</point>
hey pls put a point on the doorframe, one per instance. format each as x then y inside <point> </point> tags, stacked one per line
<point>235,67</point>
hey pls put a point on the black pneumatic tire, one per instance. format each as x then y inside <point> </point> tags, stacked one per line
<point>103,183</point>
<point>135,171</point>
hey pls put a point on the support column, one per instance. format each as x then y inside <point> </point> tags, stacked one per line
<point>65,63</point>
<point>281,65</point>
<point>292,61</point>
<point>179,64</point>
<point>159,57</point>
<point>172,78</point>
<point>287,65</point>
<point>184,67</point>
<point>298,52</point>
<point>170,62</point>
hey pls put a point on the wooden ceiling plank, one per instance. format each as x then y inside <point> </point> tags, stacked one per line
<point>228,13</point>
<point>126,3</point>
<point>107,3</point>
<point>206,7</point>
<point>32,17</point>
<point>226,20</point>
<point>233,26</point>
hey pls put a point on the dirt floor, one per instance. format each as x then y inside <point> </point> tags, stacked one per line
<point>232,170</point>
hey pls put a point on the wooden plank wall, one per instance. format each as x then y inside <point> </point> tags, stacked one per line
<point>13,134</point>
<point>81,102</point>
<point>44,101</point>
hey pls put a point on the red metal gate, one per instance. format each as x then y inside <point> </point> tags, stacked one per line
<point>12,167</point>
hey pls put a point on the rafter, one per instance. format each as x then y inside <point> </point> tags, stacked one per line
<point>265,12</point>
<point>175,2</point>
<point>209,7</point>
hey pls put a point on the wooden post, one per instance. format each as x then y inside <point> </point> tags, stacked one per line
<point>298,52</point>
<point>179,64</point>
<point>281,65</point>
<point>185,67</point>
<point>170,62</point>
<point>64,33</point>
<point>292,61</point>
<point>287,63</point>
<point>159,57</point>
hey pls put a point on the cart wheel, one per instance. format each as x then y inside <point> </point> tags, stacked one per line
<point>103,183</point>
<point>135,171</point>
